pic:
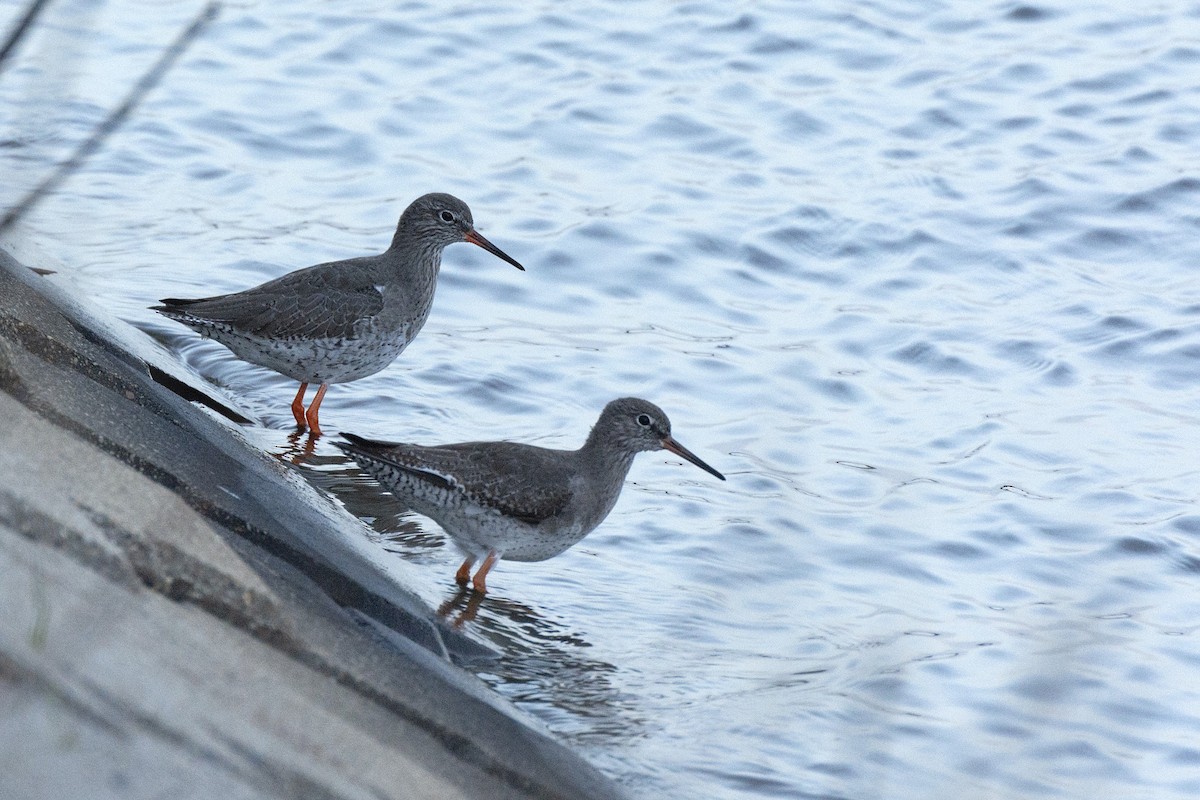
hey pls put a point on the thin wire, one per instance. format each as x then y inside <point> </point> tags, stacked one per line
<point>114,119</point>
<point>31,13</point>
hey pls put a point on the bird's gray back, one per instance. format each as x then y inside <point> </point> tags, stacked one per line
<point>532,484</point>
<point>323,301</point>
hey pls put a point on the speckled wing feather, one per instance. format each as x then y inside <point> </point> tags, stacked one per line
<point>530,483</point>
<point>324,300</point>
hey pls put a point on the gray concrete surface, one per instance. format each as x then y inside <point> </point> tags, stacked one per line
<point>183,616</point>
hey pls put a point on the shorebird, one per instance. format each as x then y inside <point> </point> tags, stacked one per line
<point>341,320</point>
<point>516,501</point>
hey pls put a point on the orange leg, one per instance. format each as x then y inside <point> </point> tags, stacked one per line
<point>488,563</point>
<point>311,416</point>
<point>298,406</point>
<point>464,572</point>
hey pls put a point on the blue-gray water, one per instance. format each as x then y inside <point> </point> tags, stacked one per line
<point>920,278</point>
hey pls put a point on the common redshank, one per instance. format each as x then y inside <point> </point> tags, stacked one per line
<point>516,501</point>
<point>341,320</point>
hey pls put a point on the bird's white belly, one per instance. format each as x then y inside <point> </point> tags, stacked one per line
<point>477,530</point>
<point>328,360</point>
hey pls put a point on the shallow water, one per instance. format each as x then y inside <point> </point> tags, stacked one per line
<point>919,278</point>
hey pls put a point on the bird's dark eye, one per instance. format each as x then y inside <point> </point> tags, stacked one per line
<point>447,216</point>
<point>643,420</point>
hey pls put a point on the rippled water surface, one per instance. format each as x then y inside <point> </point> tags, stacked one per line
<point>920,278</point>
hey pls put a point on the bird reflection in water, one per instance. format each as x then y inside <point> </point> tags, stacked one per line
<point>466,603</point>
<point>295,453</point>
<point>542,663</point>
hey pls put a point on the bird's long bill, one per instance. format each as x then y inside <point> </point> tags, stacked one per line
<point>675,447</point>
<point>474,237</point>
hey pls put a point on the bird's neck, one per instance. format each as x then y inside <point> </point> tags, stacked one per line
<point>604,457</point>
<point>602,469</point>
<point>413,259</point>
